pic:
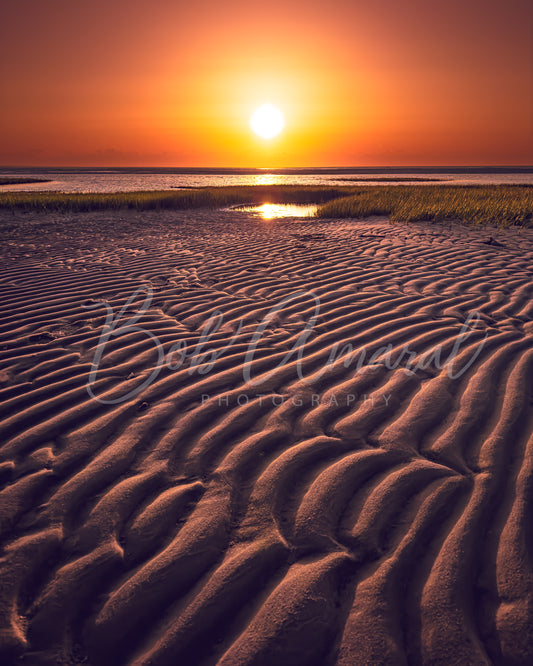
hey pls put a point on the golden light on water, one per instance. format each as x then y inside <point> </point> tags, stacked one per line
<point>267,211</point>
<point>272,211</point>
<point>267,121</point>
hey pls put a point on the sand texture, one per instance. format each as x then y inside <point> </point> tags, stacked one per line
<point>210,496</point>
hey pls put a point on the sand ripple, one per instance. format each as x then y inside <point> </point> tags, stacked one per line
<point>357,515</point>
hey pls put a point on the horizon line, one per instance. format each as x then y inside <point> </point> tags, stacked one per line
<point>281,170</point>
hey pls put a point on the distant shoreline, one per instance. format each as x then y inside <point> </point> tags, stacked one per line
<point>280,171</point>
<point>8,180</point>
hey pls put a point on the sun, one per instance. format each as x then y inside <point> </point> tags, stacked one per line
<point>267,121</point>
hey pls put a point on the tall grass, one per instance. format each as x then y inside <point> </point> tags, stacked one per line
<point>205,197</point>
<point>503,205</point>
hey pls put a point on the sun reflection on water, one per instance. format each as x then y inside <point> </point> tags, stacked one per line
<point>270,211</point>
<point>266,179</point>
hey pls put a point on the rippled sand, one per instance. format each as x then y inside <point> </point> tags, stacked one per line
<point>240,504</point>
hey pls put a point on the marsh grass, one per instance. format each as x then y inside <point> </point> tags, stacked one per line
<point>503,205</point>
<point>206,197</point>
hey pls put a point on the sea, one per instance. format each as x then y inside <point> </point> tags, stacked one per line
<point>91,179</point>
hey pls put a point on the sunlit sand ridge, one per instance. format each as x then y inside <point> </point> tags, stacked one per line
<point>232,512</point>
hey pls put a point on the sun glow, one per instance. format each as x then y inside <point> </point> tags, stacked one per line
<point>267,121</point>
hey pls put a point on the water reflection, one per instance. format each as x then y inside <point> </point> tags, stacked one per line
<point>133,180</point>
<point>271,211</point>
<point>267,179</point>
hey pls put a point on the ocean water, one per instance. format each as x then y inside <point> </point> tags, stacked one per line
<point>131,179</point>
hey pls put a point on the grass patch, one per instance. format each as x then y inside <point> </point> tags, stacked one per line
<point>16,180</point>
<point>205,197</point>
<point>502,205</point>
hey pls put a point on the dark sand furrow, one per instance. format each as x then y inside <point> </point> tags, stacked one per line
<point>20,563</point>
<point>337,396</point>
<point>286,627</point>
<point>457,435</point>
<point>220,607</point>
<point>377,624</point>
<point>145,594</point>
<point>279,486</point>
<point>45,313</point>
<point>506,577</point>
<point>434,401</point>
<point>152,523</point>
<point>368,527</point>
<point>26,358</point>
<point>513,621</point>
<point>52,370</point>
<point>223,434</point>
<point>319,511</point>
<point>77,494</point>
<point>450,589</point>
<point>87,284</point>
<point>70,406</point>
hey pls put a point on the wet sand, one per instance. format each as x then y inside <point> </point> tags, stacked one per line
<point>336,469</point>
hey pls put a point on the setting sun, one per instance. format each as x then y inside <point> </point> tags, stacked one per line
<point>267,121</point>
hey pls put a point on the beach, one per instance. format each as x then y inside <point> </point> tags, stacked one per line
<point>237,441</point>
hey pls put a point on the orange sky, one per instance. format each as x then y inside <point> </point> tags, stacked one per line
<point>169,83</point>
